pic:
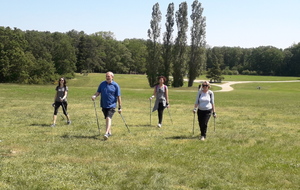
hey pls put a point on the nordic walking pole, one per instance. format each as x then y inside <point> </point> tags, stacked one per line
<point>97,117</point>
<point>150,112</point>
<point>64,110</point>
<point>214,124</point>
<point>170,115</point>
<point>63,107</point>
<point>62,116</point>
<point>125,122</point>
<point>194,124</point>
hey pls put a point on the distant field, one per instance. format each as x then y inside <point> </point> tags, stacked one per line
<point>257,78</point>
<point>255,144</point>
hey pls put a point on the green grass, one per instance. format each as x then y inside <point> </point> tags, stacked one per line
<point>255,146</point>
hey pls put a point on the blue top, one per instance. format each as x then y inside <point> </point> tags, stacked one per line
<point>109,94</point>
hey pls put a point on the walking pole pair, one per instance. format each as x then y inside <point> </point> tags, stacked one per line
<point>98,120</point>
<point>194,124</point>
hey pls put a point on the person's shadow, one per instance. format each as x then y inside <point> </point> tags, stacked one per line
<point>182,137</point>
<point>67,136</point>
<point>41,125</point>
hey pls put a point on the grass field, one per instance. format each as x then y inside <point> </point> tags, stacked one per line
<point>255,145</point>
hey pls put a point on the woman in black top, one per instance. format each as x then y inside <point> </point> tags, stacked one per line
<point>60,99</point>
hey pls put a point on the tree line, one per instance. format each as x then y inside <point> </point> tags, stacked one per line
<point>34,57</point>
<point>177,59</point>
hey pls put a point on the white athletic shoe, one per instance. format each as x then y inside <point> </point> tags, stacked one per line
<point>159,125</point>
<point>202,138</point>
<point>106,136</point>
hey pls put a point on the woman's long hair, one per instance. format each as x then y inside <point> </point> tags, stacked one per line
<point>65,82</point>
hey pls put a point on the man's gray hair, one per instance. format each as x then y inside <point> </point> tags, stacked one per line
<point>111,73</point>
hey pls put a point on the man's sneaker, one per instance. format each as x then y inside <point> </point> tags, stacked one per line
<point>106,136</point>
<point>69,122</point>
<point>109,134</point>
<point>53,125</point>
<point>159,125</point>
<point>202,138</point>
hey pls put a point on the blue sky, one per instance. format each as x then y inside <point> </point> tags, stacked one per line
<point>243,23</point>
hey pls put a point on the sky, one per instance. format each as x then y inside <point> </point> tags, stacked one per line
<point>232,23</point>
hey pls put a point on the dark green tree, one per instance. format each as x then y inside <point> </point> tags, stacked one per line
<point>168,43</point>
<point>293,60</point>
<point>15,63</point>
<point>138,50</point>
<point>78,41</point>
<point>179,51</point>
<point>266,60</point>
<point>214,61</point>
<point>117,57</point>
<point>197,60</point>
<point>42,67</point>
<point>90,53</point>
<point>214,74</point>
<point>63,54</point>
<point>153,46</point>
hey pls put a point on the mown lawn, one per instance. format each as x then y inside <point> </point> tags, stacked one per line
<point>255,144</point>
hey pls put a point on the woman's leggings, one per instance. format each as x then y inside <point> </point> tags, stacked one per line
<point>203,118</point>
<point>64,107</point>
<point>160,111</point>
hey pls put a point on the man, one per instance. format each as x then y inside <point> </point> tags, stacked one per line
<point>110,95</point>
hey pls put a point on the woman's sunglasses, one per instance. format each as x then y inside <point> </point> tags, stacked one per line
<point>204,85</point>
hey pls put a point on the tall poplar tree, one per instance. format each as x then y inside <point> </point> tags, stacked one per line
<point>63,54</point>
<point>196,63</point>
<point>179,52</point>
<point>168,42</point>
<point>153,47</point>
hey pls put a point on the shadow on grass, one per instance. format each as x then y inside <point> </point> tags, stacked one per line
<point>42,125</point>
<point>182,137</point>
<point>66,136</point>
<point>141,126</point>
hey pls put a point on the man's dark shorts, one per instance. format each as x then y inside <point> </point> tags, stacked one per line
<point>108,112</point>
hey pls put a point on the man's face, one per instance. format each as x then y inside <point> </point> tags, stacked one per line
<point>109,77</point>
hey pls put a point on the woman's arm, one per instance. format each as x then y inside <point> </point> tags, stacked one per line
<point>154,93</point>
<point>65,96</point>
<point>167,95</point>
